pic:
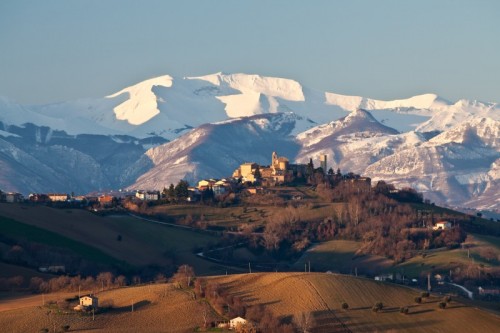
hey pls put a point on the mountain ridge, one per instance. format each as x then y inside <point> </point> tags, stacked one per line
<point>201,114</point>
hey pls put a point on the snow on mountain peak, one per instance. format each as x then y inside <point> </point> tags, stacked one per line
<point>477,131</point>
<point>352,103</point>
<point>271,86</point>
<point>141,105</point>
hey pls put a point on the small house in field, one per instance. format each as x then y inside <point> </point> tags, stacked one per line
<point>443,225</point>
<point>89,301</point>
<point>237,322</point>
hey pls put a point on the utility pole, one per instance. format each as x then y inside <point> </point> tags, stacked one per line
<point>428,282</point>
<point>356,271</point>
<point>309,266</point>
<point>132,305</point>
<point>249,267</point>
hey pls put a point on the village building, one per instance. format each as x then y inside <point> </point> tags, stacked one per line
<point>148,195</point>
<point>246,172</point>
<point>237,322</point>
<point>58,196</point>
<point>443,225</point>
<point>278,172</point>
<point>106,200</point>
<point>221,187</point>
<point>194,194</point>
<point>323,162</point>
<point>205,184</point>
<point>79,198</point>
<point>12,197</point>
<point>38,197</point>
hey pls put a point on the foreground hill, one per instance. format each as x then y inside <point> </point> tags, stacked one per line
<point>162,308</point>
<point>157,308</point>
<point>290,294</point>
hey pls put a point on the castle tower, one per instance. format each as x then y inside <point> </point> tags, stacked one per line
<point>322,162</point>
<point>274,161</point>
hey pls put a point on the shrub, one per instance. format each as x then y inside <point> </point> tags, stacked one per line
<point>404,310</point>
<point>377,307</point>
<point>345,306</point>
<point>418,299</point>
<point>65,328</point>
<point>447,299</point>
<point>442,305</point>
<point>424,294</point>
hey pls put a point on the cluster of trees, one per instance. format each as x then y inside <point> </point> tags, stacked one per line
<point>226,304</point>
<point>104,280</point>
<point>260,318</point>
<point>385,226</point>
<point>177,192</point>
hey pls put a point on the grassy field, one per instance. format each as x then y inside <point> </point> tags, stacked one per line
<point>142,243</point>
<point>290,294</point>
<point>157,308</point>
<point>18,230</point>
<point>340,256</point>
<point>444,260</point>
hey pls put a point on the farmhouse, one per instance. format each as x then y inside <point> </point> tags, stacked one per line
<point>89,301</point>
<point>237,322</point>
<point>443,225</point>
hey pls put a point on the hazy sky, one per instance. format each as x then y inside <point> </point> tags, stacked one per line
<point>58,50</point>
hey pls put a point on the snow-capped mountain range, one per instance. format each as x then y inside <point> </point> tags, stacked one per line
<point>449,151</point>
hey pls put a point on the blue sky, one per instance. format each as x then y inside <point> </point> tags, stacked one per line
<point>58,50</point>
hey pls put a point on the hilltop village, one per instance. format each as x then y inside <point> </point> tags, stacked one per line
<point>249,178</point>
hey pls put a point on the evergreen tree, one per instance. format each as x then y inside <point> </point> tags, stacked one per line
<point>181,189</point>
<point>171,191</point>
